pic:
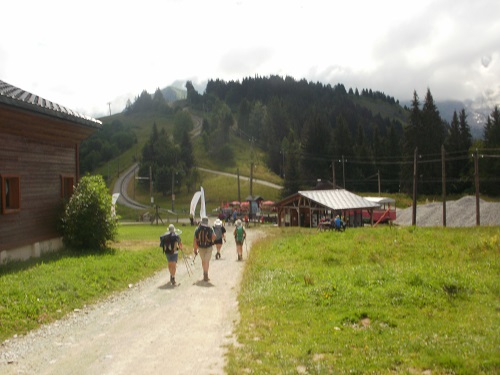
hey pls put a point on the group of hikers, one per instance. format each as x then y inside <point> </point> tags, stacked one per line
<point>336,223</point>
<point>205,236</point>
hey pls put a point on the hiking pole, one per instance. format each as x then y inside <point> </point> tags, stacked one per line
<point>195,255</point>
<point>188,268</point>
<point>185,262</point>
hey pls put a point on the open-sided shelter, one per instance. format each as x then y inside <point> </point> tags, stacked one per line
<point>39,166</point>
<point>306,208</point>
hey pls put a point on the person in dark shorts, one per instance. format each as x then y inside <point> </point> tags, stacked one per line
<point>220,236</point>
<point>171,243</point>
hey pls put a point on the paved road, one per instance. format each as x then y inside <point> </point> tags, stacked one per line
<point>257,181</point>
<point>121,187</point>
<point>124,180</point>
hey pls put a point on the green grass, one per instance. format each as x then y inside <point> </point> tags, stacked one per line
<point>242,160</point>
<point>370,300</point>
<point>381,301</point>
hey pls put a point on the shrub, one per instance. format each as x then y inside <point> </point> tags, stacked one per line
<point>88,222</point>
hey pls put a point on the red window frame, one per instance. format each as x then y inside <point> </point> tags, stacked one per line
<point>11,193</point>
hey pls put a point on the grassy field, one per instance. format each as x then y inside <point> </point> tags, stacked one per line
<point>380,301</point>
<point>370,300</point>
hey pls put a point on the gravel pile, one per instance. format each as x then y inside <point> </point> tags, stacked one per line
<point>460,213</point>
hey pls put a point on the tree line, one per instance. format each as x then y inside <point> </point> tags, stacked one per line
<point>313,131</point>
<point>310,131</point>
<point>104,145</point>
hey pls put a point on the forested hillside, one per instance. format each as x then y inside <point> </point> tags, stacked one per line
<point>313,131</point>
<point>305,127</point>
<point>308,131</point>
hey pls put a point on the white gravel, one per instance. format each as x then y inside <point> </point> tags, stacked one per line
<point>460,213</point>
<point>151,328</point>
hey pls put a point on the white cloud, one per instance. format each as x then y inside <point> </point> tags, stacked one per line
<point>86,54</point>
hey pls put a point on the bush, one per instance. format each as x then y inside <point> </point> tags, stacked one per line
<point>88,222</point>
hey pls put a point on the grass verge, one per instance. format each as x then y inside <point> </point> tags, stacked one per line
<point>381,301</point>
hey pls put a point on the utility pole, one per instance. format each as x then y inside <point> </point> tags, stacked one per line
<point>251,179</point>
<point>378,176</point>
<point>343,170</point>
<point>443,182</point>
<point>151,184</point>
<point>239,193</point>
<point>173,194</point>
<point>283,170</point>
<point>109,105</point>
<point>414,209</point>
<point>476,178</point>
<point>333,173</point>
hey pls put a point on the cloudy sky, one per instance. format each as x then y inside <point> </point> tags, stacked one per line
<point>85,54</point>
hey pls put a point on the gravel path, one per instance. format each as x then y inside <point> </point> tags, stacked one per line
<point>151,328</point>
<point>460,213</point>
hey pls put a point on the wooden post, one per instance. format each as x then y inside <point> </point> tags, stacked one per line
<point>378,176</point>
<point>239,193</point>
<point>150,185</point>
<point>173,194</point>
<point>476,175</point>
<point>343,170</point>
<point>414,209</point>
<point>251,179</point>
<point>333,173</point>
<point>443,177</point>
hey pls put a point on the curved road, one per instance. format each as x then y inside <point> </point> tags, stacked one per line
<point>262,182</point>
<point>121,187</point>
<point>124,180</point>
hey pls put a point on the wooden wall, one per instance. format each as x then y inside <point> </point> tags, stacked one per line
<point>39,150</point>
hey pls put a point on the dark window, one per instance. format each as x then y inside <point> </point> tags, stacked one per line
<point>11,193</point>
<point>67,185</point>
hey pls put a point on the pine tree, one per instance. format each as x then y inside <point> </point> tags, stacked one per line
<point>315,146</point>
<point>465,134</point>
<point>492,129</point>
<point>426,132</point>
<point>490,167</point>
<point>292,181</point>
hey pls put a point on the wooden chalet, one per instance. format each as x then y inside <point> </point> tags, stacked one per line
<point>306,208</point>
<point>39,166</point>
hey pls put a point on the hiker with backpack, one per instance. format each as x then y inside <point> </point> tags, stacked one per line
<point>170,242</point>
<point>204,238</point>
<point>220,235</point>
<point>239,236</point>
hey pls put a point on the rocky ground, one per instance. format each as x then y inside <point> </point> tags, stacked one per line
<point>459,213</point>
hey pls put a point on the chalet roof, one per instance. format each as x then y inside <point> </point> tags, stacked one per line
<point>17,97</point>
<point>338,199</point>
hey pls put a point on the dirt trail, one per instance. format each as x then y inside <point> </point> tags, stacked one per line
<point>151,328</point>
